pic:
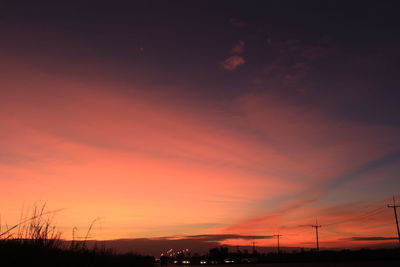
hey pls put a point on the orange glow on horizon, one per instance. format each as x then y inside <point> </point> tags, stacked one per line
<point>149,168</point>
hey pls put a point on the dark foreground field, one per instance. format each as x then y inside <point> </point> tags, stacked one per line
<point>31,253</point>
<point>319,264</point>
<point>17,253</point>
<point>326,258</point>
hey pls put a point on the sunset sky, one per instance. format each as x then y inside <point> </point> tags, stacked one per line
<point>217,121</point>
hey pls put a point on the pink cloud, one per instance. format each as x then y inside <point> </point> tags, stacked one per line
<point>233,62</point>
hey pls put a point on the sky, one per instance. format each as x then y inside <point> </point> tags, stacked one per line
<point>206,121</point>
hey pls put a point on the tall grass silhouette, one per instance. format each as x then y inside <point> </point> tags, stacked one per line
<point>36,241</point>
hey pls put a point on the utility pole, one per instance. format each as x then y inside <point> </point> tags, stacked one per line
<point>394,206</point>
<point>254,247</point>
<point>277,237</point>
<point>316,226</point>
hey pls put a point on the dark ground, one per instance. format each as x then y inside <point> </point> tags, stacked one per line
<point>317,264</point>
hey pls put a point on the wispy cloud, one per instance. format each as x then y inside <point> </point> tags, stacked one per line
<point>233,62</point>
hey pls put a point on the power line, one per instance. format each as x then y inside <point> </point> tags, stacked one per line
<point>360,217</point>
<point>394,206</point>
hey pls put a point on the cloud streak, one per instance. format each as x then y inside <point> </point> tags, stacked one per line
<point>371,238</point>
<point>223,237</point>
